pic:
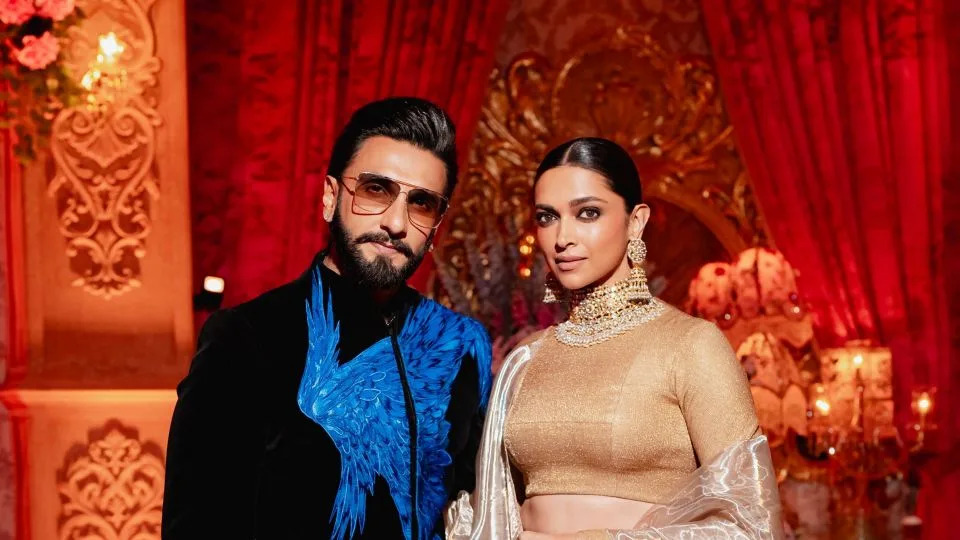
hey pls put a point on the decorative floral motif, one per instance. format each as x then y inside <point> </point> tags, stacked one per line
<point>112,487</point>
<point>106,178</point>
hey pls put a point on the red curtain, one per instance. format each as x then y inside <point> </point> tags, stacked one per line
<point>13,354</point>
<point>840,110</point>
<point>270,85</point>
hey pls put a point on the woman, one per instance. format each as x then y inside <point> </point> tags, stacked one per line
<point>630,419</point>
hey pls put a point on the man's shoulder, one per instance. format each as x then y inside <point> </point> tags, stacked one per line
<point>280,300</point>
<point>270,314</point>
<point>264,339</point>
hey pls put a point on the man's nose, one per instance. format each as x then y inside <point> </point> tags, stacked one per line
<point>394,218</point>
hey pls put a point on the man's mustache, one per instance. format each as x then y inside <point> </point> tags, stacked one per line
<point>384,238</point>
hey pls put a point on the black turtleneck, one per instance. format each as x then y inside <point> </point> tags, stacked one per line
<point>242,459</point>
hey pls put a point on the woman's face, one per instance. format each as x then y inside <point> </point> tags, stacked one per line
<point>583,227</point>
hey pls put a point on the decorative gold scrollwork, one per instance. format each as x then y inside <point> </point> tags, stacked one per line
<point>104,151</point>
<point>111,488</point>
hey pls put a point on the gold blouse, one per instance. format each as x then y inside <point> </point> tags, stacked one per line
<point>629,417</point>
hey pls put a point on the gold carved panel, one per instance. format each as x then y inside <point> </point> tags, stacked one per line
<point>111,487</point>
<point>664,108</point>
<point>104,150</point>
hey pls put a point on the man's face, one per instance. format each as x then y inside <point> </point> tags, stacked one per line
<point>382,250</point>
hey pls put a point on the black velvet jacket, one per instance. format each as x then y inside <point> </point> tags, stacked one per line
<point>244,462</point>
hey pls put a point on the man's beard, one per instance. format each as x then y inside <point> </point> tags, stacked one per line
<point>379,273</point>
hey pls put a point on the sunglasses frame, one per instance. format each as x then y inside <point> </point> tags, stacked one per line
<point>358,178</point>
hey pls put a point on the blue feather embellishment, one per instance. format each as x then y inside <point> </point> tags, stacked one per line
<point>360,405</point>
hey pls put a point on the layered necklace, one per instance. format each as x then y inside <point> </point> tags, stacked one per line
<point>598,314</point>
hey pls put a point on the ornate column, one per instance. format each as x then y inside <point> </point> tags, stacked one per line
<point>102,242</point>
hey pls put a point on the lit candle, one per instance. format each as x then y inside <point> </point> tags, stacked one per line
<point>923,403</point>
<point>857,363</point>
<point>820,400</point>
<point>823,406</point>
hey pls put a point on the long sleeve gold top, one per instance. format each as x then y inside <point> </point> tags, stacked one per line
<point>629,417</point>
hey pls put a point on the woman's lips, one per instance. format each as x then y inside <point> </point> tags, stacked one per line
<point>566,264</point>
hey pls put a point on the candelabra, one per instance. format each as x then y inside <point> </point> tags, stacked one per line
<point>873,467</point>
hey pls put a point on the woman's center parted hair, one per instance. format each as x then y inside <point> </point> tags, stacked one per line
<point>601,156</point>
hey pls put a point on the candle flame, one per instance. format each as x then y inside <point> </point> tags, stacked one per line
<point>823,406</point>
<point>924,403</point>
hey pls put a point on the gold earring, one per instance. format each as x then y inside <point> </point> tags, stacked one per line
<point>636,251</point>
<point>552,290</point>
<point>638,289</point>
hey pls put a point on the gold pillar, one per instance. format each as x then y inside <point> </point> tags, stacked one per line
<point>108,322</point>
<point>107,215</point>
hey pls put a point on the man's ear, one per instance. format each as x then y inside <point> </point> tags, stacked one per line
<point>331,190</point>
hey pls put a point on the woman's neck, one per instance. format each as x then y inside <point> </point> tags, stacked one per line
<point>596,303</point>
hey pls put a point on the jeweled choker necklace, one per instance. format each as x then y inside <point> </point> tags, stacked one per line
<point>598,314</point>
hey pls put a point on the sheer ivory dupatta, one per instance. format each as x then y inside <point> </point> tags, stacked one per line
<point>492,512</point>
<point>735,495</point>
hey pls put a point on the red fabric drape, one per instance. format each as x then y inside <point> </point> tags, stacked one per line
<point>12,267</point>
<point>840,110</point>
<point>271,83</point>
<point>13,356</point>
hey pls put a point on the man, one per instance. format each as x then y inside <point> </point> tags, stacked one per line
<point>302,408</point>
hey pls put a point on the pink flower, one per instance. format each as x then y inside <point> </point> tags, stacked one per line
<point>16,11</point>
<point>55,9</point>
<point>38,52</point>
